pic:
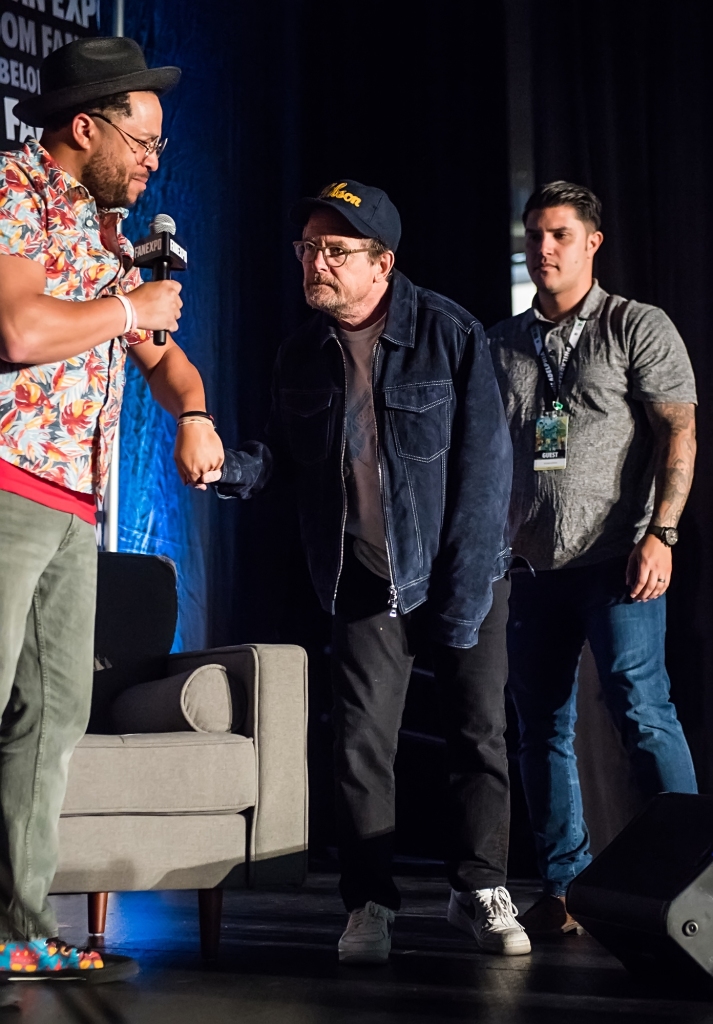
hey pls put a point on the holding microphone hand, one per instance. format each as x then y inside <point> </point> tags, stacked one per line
<point>158,305</point>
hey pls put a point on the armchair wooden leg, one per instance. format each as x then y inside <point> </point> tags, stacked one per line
<point>97,903</point>
<point>210,909</point>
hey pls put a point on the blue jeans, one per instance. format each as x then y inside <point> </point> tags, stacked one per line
<point>551,615</point>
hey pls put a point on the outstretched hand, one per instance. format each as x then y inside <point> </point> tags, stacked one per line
<point>648,572</point>
<point>198,454</point>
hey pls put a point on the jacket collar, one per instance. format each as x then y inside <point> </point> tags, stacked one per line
<point>400,327</point>
<point>400,324</point>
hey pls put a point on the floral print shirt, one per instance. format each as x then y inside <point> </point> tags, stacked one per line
<point>59,419</point>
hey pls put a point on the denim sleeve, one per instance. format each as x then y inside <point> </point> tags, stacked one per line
<point>246,471</point>
<point>477,499</point>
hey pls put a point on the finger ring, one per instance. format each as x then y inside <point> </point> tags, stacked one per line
<point>662,579</point>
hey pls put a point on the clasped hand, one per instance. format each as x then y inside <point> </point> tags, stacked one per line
<point>198,454</point>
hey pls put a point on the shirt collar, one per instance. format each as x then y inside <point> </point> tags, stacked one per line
<point>591,308</point>
<point>59,180</point>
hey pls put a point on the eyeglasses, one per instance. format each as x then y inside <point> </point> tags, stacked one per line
<point>334,255</point>
<point>149,148</point>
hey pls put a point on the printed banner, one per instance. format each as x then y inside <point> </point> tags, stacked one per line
<point>29,30</point>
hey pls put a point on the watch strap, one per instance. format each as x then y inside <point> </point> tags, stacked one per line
<point>662,533</point>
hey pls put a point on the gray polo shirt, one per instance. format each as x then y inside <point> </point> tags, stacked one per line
<point>599,506</point>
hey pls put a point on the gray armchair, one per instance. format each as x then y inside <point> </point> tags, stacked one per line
<point>183,809</point>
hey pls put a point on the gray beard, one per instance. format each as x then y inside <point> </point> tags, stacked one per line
<point>333,304</point>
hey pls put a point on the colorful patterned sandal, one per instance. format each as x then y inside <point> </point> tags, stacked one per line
<point>54,960</point>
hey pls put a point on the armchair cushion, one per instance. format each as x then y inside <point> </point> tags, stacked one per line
<point>199,700</point>
<point>161,773</point>
<point>148,851</point>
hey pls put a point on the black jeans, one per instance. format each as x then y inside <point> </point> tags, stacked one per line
<point>372,655</point>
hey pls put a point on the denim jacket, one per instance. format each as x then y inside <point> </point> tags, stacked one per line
<point>444,452</point>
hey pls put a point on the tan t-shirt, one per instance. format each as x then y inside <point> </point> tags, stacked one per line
<point>365,515</point>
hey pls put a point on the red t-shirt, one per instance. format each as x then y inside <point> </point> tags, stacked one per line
<point>30,485</point>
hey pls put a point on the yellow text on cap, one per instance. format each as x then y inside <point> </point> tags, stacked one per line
<point>336,191</point>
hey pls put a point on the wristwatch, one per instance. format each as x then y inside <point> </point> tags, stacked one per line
<point>668,535</point>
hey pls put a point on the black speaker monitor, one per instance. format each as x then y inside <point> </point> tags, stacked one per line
<point>648,897</point>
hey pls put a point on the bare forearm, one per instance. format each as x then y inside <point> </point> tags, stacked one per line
<point>176,384</point>
<point>675,428</point>
<point>673,482</point>
<point>36,328</point>
<point>47,330</point>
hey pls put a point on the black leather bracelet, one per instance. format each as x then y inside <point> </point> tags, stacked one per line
<point>205,415</point>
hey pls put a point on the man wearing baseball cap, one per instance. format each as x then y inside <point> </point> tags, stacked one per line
<point>72,307</point>
<point>387,415</point>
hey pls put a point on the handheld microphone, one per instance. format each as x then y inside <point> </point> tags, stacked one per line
<point>162,253</point>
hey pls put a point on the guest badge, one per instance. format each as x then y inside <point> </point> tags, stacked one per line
<point>551,439</point>
<point>551,427</point>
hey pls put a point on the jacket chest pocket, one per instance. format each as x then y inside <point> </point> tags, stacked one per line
<point>420,416</point>
<point>306,417</point>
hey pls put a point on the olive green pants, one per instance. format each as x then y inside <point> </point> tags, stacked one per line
<point>48,563</point>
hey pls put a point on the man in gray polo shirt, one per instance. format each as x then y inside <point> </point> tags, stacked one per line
<point>600,399</point>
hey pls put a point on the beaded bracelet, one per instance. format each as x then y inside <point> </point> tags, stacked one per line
<point>195,419</point>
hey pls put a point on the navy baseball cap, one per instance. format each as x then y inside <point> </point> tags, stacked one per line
<point>367,209</point>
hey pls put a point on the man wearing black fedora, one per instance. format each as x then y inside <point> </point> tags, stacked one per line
<point>72,307</point>
<point>387,420</point>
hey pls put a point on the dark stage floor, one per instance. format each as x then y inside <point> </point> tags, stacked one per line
<point>279,966</point>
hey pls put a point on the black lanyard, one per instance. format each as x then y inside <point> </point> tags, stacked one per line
<point>555,385</point>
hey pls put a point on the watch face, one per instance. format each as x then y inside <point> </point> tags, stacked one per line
<point>670,536</point>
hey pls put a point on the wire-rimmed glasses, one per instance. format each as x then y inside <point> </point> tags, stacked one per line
<point>156,146</point>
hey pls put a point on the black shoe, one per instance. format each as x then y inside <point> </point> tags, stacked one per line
<point>549,917</point>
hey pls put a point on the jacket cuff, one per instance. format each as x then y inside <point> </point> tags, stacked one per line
<point>231,472</point>
<point>230,477</point>
<point>453,632</point>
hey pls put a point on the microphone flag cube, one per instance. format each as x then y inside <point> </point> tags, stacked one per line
<point>160,246</point>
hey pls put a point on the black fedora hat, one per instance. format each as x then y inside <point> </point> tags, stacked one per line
<point>88,69</point>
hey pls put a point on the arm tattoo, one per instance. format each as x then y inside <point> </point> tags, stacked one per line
<point>674,426</point>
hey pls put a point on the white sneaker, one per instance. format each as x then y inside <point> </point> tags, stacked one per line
<point>489,917</point>
<point>367,938</point>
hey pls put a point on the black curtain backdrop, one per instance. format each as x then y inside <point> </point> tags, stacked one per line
<point>276,101</point>
<point>622,94</point>
<point>415,100</point>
